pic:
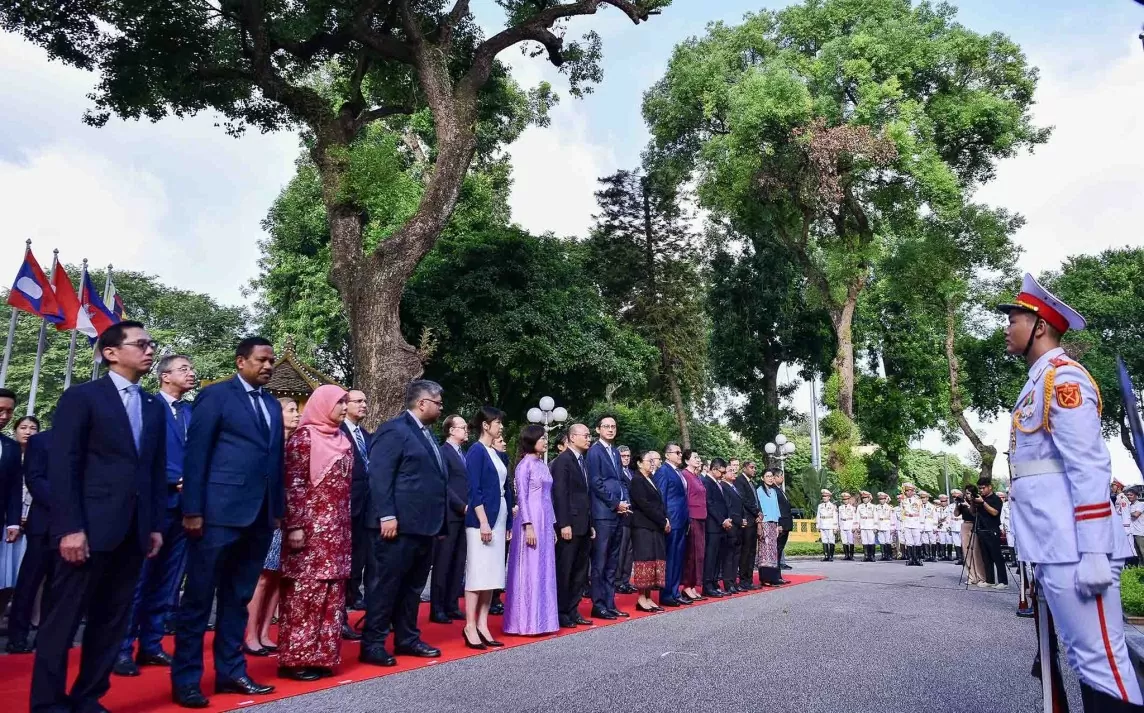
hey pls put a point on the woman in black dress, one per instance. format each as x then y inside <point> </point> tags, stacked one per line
<point>648,526</point>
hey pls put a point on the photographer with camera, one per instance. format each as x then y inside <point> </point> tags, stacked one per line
<point>988,514</point>
<point>964,508</point>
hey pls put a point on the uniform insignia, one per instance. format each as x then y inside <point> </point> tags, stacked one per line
<point>1068,395</point>
<point>1061,361</point>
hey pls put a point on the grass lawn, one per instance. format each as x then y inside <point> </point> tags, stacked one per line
<point>798,549</point>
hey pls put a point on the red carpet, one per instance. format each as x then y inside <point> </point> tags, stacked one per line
<point>151,692</point>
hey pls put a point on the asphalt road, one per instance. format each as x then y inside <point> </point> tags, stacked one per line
<point>871,637</point>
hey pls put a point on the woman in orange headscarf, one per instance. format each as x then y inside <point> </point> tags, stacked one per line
<point>316,547</point>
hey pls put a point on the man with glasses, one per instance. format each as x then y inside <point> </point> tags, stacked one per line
<point>158,588</point>
<point>449,554</point>
<point>572,503</point>
<point>610,507</point>
<point>673,486</point>
<point>356,410</point>
<point>109,494</point>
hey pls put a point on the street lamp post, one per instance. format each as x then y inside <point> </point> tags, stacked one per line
<point>779,450</point>
<point>548,415</point>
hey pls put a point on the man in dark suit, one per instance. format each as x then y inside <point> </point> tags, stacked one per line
<point>108,495</point>
<point>233,499</point>
<point>673,487</point>
<point>623,582</point>
<point>745,485</point>
<point>158,587</point>
<point>356,410</point>
<point>572,503</point>
<point>37,565</point>
<point>11,472</point>
<point>786,520</point>
<point>734,538</point>
<point>449,554</point>
<point>718,527</point>
<point>610,505</point>
<point>408,496</point>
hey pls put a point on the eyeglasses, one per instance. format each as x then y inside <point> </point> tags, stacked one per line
<point>142,344</point>
<point>673,453</point>
<point>462,427</point>
<point>356,401</point>
<point>184,369</point>
<point>434,402</point>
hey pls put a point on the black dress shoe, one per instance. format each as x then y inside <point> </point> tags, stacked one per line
<point>439,618</point>
<point>685,600</point>
<point>348,633</point>
<point>162,658</point>
<point>581,621</point>
<point>565,624</point>
<point>456,615</point>
<point>712,594</point>
<point>620,614</point>
<point>782,581</point>
<point>322,671</point>
<point>786,566</point>
<point>497,609</point>
<point>18,647</point>
<point>420,649</point>
<point>125,667</point>
<point>669,603</point>
<point>260,651</point>
<point>243,685</point>
<point>359,605</point>
<point>297,673</point>
<point>377,657</point>
<point>602,614</point>
<point>189,697</point>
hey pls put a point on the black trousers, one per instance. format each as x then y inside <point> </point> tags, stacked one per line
<point>394,582</point>
<point>712,562</point>
<point>102,589</point>
<point>35,569</point>
<point>782,544</point>
<point>732,544</point>
<point>448,569</point>
<point>624,566</point>
<point>749,542</point>
<point>359,553</point>
<point>990,542</point>
<point>571,574</point>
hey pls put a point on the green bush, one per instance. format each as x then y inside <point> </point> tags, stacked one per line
<point>800,549</point>
<point>1132,591</point>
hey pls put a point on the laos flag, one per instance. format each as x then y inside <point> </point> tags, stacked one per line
<point>100,316</point>
<point>32,292</point>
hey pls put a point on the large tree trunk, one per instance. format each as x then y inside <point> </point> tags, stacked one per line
<point>770,369</point>
<point>843,320</point>
<point>680,410</point>
<point>987,452</point>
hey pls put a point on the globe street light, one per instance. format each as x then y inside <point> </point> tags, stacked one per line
<point>780,450</point>
<point>548,416</point>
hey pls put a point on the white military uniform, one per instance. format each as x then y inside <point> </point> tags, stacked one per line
<point>955,521</point>
<point>929,523</point>
<point>868,522</point>
<point>884,514</point>
<point>911,525</point>
<point>943,514</point>
<point>846,518</point>
<point>1061,470</point>
<point>827,522</point>
<point>1007,524</point>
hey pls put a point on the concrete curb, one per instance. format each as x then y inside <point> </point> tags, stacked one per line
<point>1135,641</point>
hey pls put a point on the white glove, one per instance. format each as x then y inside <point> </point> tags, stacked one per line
<point>1093,574</point>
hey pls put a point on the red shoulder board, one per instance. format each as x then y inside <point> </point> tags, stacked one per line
<point>1061,361</point>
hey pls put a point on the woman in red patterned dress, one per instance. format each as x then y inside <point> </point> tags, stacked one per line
<point>316,548</point>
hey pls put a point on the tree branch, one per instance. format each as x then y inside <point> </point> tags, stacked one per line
<point>367,117</point>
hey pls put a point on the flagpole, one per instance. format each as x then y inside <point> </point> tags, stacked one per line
<point>11,330</point>
<point>106,292</point>
<point>75,330</point>
<point>41,343</point>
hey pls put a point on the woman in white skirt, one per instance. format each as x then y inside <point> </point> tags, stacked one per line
<point>487,519</point>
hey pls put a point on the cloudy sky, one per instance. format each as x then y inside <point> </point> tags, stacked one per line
<point>182,200</point>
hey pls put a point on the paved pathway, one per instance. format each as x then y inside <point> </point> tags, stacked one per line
<point>872,637</point>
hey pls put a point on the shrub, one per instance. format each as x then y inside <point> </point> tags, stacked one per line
<point>1132,591</point>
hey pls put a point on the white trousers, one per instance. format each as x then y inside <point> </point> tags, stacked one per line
<point>955,537</point>
<point>868,537</point>
<point>884,537</point>
<point>943,537</point>
<point>911,537</point>
<point>1092,630</point>
<point>827,536</point>
<point>928,537</point>
<point>847,536</point>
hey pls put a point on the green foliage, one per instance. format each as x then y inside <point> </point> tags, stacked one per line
<point>1132,591</point>
<point>650,425</point>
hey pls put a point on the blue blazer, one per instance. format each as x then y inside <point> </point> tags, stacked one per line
<point>36,478</point>
<point>485,487</point>
<point>405,480</point>
<point>176,449</point>
<point>604,475</point>
<point>230,468</point>
<point>674,495</point>
<point>100,483</point>
<point>11,483</point>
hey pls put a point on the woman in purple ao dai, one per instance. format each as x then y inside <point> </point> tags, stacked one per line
<point>530,590</point>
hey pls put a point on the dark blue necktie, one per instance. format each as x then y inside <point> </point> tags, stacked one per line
<point>181,416</point>
<point>263,427</point>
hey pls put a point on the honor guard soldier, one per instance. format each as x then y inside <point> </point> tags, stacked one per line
<point>911,527</point>
<point>943,513</point>
<point>884,515</point>
<point>955,521</point>
<point>929,526</point>
<point>899,536</point>
<point>827,522</point>
<point>868,526</point>
<point>847,517</point>
<point>1060,472</point>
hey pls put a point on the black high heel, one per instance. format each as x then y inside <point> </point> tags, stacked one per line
<point>489,642</point>
<point>471,645</point>
<point>652,610</point>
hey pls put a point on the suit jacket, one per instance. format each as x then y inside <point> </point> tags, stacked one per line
<point>359,481</point>
<point>405,480</point>
<point>786,522</point>
<point>735,509</point>
<point>605,475</point>
<point>747,493</point>
<point>674,495</point>
<point>100,483</point>
<point>11,482</point>
<point>176,435</point>
<point>696,496</point>
<point>571,497</point>
<point>231,467</point>
<point>648,509</point>
<point>36,478</point>
<point>485,487</point>
<point>458,486</point>
<point>717,510</point>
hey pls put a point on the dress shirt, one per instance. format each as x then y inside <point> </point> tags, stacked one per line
<point>121,385</point>
<point>261,404</point>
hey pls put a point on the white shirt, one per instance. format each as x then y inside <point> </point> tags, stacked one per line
<point>1136,526</point>
<point>121,385</point>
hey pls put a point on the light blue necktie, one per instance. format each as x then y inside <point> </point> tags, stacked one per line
<point>134,406</point>
<point>433,447</point>
<point>360,440</point>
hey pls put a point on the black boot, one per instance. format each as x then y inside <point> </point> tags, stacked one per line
<point>849,553</point>
<point>960,556</point>
<point>832,545</point>
<point>870,554</point>
<point>825,552</point>
<point>949,553</point>
<point>932,553</point>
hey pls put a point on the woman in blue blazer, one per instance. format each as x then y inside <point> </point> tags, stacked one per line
<point>486,521</point>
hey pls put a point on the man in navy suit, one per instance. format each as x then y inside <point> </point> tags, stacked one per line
<point>233,499</point>
<point>745,485</point>
<point>732,540</point>
<point>572,505</point>
<point>449,553</point>
<point>356,410</point>
<point>11,472</point>
<point>718,528</point>
<point>108,494</point>
<point>408,495</point>
<point>36,567</point>
<point>669,479</point>
<point>158,587</point>
<point>609,504</point>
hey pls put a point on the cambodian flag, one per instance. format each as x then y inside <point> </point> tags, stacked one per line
<point>1132,413</point>
<point>32,292</point>
<point>73,315</point>
<point>97,313</point>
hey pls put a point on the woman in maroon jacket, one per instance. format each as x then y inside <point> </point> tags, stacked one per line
<point>696,533</point>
